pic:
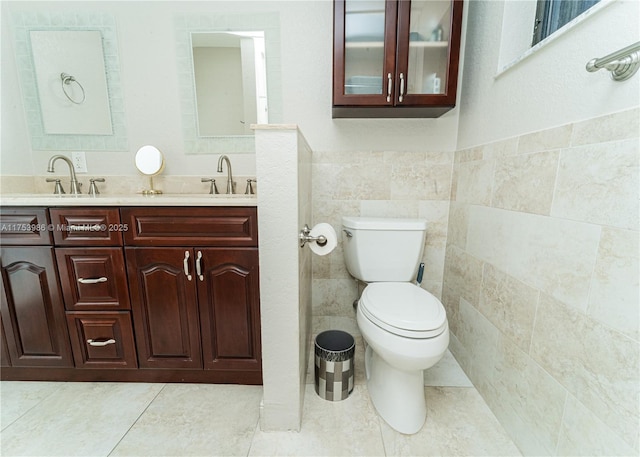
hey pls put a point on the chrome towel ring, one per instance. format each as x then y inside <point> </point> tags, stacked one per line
<point>66,81</point>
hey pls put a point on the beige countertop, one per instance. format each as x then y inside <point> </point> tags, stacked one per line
<point>18,199</point>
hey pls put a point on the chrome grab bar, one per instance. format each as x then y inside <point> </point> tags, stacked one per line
<point>622,64</point>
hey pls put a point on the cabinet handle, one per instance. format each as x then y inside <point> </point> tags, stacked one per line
<point>389,87</point>
<point>199,266</point>
<point>401,87</point>
<point>92,281</point>
<point>101,343</point>
<point>186,265</point>
<point>84,228</point>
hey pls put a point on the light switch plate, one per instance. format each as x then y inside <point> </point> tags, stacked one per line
<point>79,161</point>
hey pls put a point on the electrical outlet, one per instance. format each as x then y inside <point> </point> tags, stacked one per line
<point>79,162</point>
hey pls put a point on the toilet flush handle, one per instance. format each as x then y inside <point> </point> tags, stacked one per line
<point>348,233</point>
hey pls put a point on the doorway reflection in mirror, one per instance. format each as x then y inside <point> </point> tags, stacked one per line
<point>230,81</point>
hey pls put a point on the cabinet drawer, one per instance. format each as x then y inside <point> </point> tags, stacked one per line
<point>86,226</point>
<point>218,226</point>
<point>93,279</point>
<point>24,226</point>
<point>102,340</point>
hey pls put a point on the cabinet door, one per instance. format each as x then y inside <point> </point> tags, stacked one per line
<point>228,293</point>
<point>102,339</point>
<point>364,52</point>
<point>164,306</point>
<point>93,278</point>
<point>32,309</point>
<point>5,360</point>
<point>428,52</point>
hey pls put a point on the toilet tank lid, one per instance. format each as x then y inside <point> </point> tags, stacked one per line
<point>383,223</point>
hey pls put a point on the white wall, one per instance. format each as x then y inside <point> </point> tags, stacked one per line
<point>549,88</point>
<point>151,89</point>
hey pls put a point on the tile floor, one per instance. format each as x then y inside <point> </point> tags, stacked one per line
<point>135,419</point>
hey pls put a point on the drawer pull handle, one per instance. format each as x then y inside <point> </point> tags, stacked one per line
<point>186,265</point>
<point>199,266</point>
<point>92,281</point>
<point>85,228</point>
<point>101,343</point>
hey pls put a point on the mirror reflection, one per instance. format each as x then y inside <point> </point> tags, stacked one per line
<point>230,82</point>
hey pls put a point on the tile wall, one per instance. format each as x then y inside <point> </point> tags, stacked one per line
<point>541,283</point>
<point>381,184</point>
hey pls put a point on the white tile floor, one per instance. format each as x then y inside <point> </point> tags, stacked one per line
<point>118,419</point>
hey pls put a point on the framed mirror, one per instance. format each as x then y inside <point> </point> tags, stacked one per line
<point>48,67</point>
<point>218,99</point>
<point>230,77</point>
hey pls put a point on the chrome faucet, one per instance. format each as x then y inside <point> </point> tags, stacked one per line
<point>224,158</point>
<point>75,186</point>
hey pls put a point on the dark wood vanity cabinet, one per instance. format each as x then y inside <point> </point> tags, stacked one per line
<point>395,58</point>
<point>132,294</point>
<point>196,299</point>
<point>33,322</point>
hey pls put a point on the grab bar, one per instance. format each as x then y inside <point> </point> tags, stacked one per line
<point>622,64</point>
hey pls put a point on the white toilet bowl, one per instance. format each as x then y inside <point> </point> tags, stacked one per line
<point>407,332</point>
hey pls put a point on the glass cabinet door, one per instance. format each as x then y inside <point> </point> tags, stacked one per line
<point>428,39</point>
<point>369,50</point>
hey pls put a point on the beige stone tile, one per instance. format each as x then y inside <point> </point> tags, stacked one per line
<point>17,398</point>
<point>545,140</point>
<point>348,324</point>
<point>451,301</point>
<point>500,149</point>
<point>196,419</point>
<point>420,182</point>
<point>446,373</point>
<point>23,184</point>
<point>479,337</point>
<point>462,274</point>
<point>474,182</point>
<point>554,255</point>
<point>458,423</point>
<point>348,427</point>
<point>389,208</point>
<point>468,155</point>
<point>80,419</point>
<point>526,182</point>
<point>597,365</point>
<point>457,226</point>
<point>367,181</point>
<point>528,401</point>
<point>583,433</point>
<point>613,127</point>
<point>613,299</point>
<point>405,158</point>
<point>509,304</point>
<point>333,297</point>
<point>599,184</point>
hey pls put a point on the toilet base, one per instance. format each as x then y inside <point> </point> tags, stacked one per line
<point>397,395</point>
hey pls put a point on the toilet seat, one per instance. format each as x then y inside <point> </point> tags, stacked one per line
<point>403,309</point>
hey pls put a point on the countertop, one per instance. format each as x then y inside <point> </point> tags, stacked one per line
<point>127,200</point>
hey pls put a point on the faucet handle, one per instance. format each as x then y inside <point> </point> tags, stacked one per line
<point>213,189</point>
<point>57,190</point>
<point>249,189</point>
<point>93,189</point>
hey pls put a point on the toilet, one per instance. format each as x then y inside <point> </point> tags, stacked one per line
<point>405,327</point>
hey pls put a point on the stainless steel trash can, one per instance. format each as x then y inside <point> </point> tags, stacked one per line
<point>334,368</point>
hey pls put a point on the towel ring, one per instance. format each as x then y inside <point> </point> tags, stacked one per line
<point>67,80</point>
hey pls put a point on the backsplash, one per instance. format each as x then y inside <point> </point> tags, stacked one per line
<point>123,185</point>
<point>541,281</point>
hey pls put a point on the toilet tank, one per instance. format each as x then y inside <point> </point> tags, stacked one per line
<point>383,249</point>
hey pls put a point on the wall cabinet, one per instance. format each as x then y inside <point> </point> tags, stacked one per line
<point>131,294</point>
<point>395,58</point>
